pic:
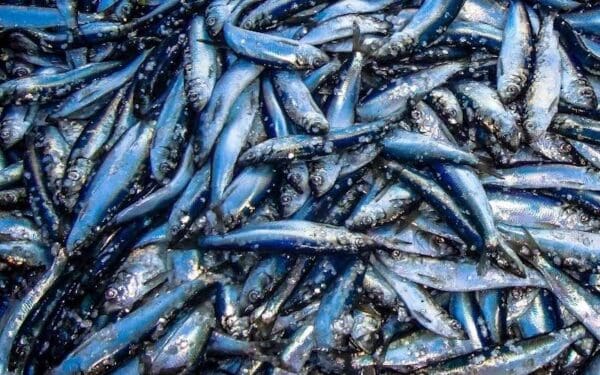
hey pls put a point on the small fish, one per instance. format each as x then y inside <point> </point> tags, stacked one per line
<point>541,103</point>
<point>515,53</point>
<point>273,50</point>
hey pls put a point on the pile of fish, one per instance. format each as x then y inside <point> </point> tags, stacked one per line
<point>299,187</point>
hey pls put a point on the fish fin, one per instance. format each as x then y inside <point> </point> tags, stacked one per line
<point>554,103</point>
<point>307,23</point>
<point>484,264</point>
<point>529,239</point>
<point>357,38</point>
<point>488,168</point>
<point>514,264</point>
<point>409,219</point>
<point>448,135</point>
<point>431,278</point>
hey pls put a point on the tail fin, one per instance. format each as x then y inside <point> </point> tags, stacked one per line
<point>486,167</point>
<point>508,259</point>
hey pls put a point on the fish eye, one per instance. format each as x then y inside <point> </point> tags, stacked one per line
<point>285,198</point>
<point>20,71</point>
<point>74,175</point>
<point>211,21</point>
<point>586,92</point>
<point>111,293</point>
<point>512,88</point>
<point>294,178</point>
<point>565,148</point>
<point>416,114</point>
<point>317,180</point>
<point>5,133</point>
<point>165,167</point>
<point>254,296</point>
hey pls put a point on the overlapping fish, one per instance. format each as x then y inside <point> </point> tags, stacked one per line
<point>299,187</point>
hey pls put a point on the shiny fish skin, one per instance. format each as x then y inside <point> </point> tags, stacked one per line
<point>298,236</point>
<point>272,11</point>
<point>485,11</point>
<point>161,197</point>
<point>469,192</point>
<point>446,104</point>
<point>530,177</point>
<point>86,151</point>
<point>15,123</point>
<point>431,20</point>
<point>11,175</point>
<point>580,302</point>
<point>409,146</point>
<point>306,147</point>
<point>351,7</point>
<point>44,87</point>
<point>88,94</point>
<point>421,306</point>
<point>212,119</point>
<point>191,333</point>
<point>143,270</point>
<point>585,20</point>
<point>538,211</point>
<point>392,101</point>
<point>273,50</point>
<point>443,203</point>
<point>521,358</point>
<point>515,53</point>
<point>473,36</point>
<point>386,206</point>
<point>116,337</point>
<point>577,127</point>
<point>299,187</point>
<point>200,64</point>
<point>46,215</point>
<point>429,349</point>
<point>542,95</point>
<point>335,302</point>
<point>190,203</point>
<point>243,195</point>
<point>231,140</point>
<point>340,114</point>
<point>299,103</point>
<point>170,133</point>
<point>119,167</point>
<point>489,111</point>
<point>341,27</point>
<point>435,274</point>
<point>575,89</point>
<point>18,314</point>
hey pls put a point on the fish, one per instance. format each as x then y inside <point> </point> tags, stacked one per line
<point>430,21</point>
<point>515,53</point>
<point>541,103</point>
